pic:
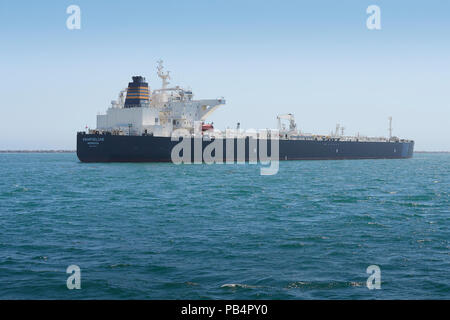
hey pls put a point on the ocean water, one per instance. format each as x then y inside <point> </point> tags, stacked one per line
<point>165,231</point>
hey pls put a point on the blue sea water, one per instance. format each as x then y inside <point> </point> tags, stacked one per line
<point>165,231</point>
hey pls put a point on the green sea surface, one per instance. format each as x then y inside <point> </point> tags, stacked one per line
<point>165,231</point>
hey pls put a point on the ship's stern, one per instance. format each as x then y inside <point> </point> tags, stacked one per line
<point>91,147</point>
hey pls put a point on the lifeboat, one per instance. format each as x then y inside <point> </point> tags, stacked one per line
<point>207,126</point>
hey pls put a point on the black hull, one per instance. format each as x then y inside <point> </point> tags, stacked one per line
<point>115,148</point>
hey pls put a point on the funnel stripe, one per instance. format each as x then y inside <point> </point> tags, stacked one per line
<point>138,93</point>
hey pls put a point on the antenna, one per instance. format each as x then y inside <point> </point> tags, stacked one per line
<point>390,128</point>
<point>342,131</point>
<point>162,75</point>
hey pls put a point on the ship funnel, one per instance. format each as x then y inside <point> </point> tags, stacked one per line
<point>138,94</point>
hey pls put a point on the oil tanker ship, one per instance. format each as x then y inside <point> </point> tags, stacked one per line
<point>147,126</point>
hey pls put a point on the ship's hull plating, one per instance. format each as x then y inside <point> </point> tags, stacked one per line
<point>116,148</point>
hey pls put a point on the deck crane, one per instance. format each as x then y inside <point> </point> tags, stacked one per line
<point>290,117</point>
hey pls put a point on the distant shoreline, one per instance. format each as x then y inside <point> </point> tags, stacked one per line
<point>431,151</point>
<point>74,151</point>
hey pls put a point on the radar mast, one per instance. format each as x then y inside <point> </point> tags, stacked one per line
<point>165,76</point>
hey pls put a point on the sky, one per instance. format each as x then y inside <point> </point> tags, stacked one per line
<point>315,59</point>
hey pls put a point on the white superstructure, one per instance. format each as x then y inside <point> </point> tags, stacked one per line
<point>169,108</point>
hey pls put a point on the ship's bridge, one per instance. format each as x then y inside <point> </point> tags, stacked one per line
<point>158,113</point>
